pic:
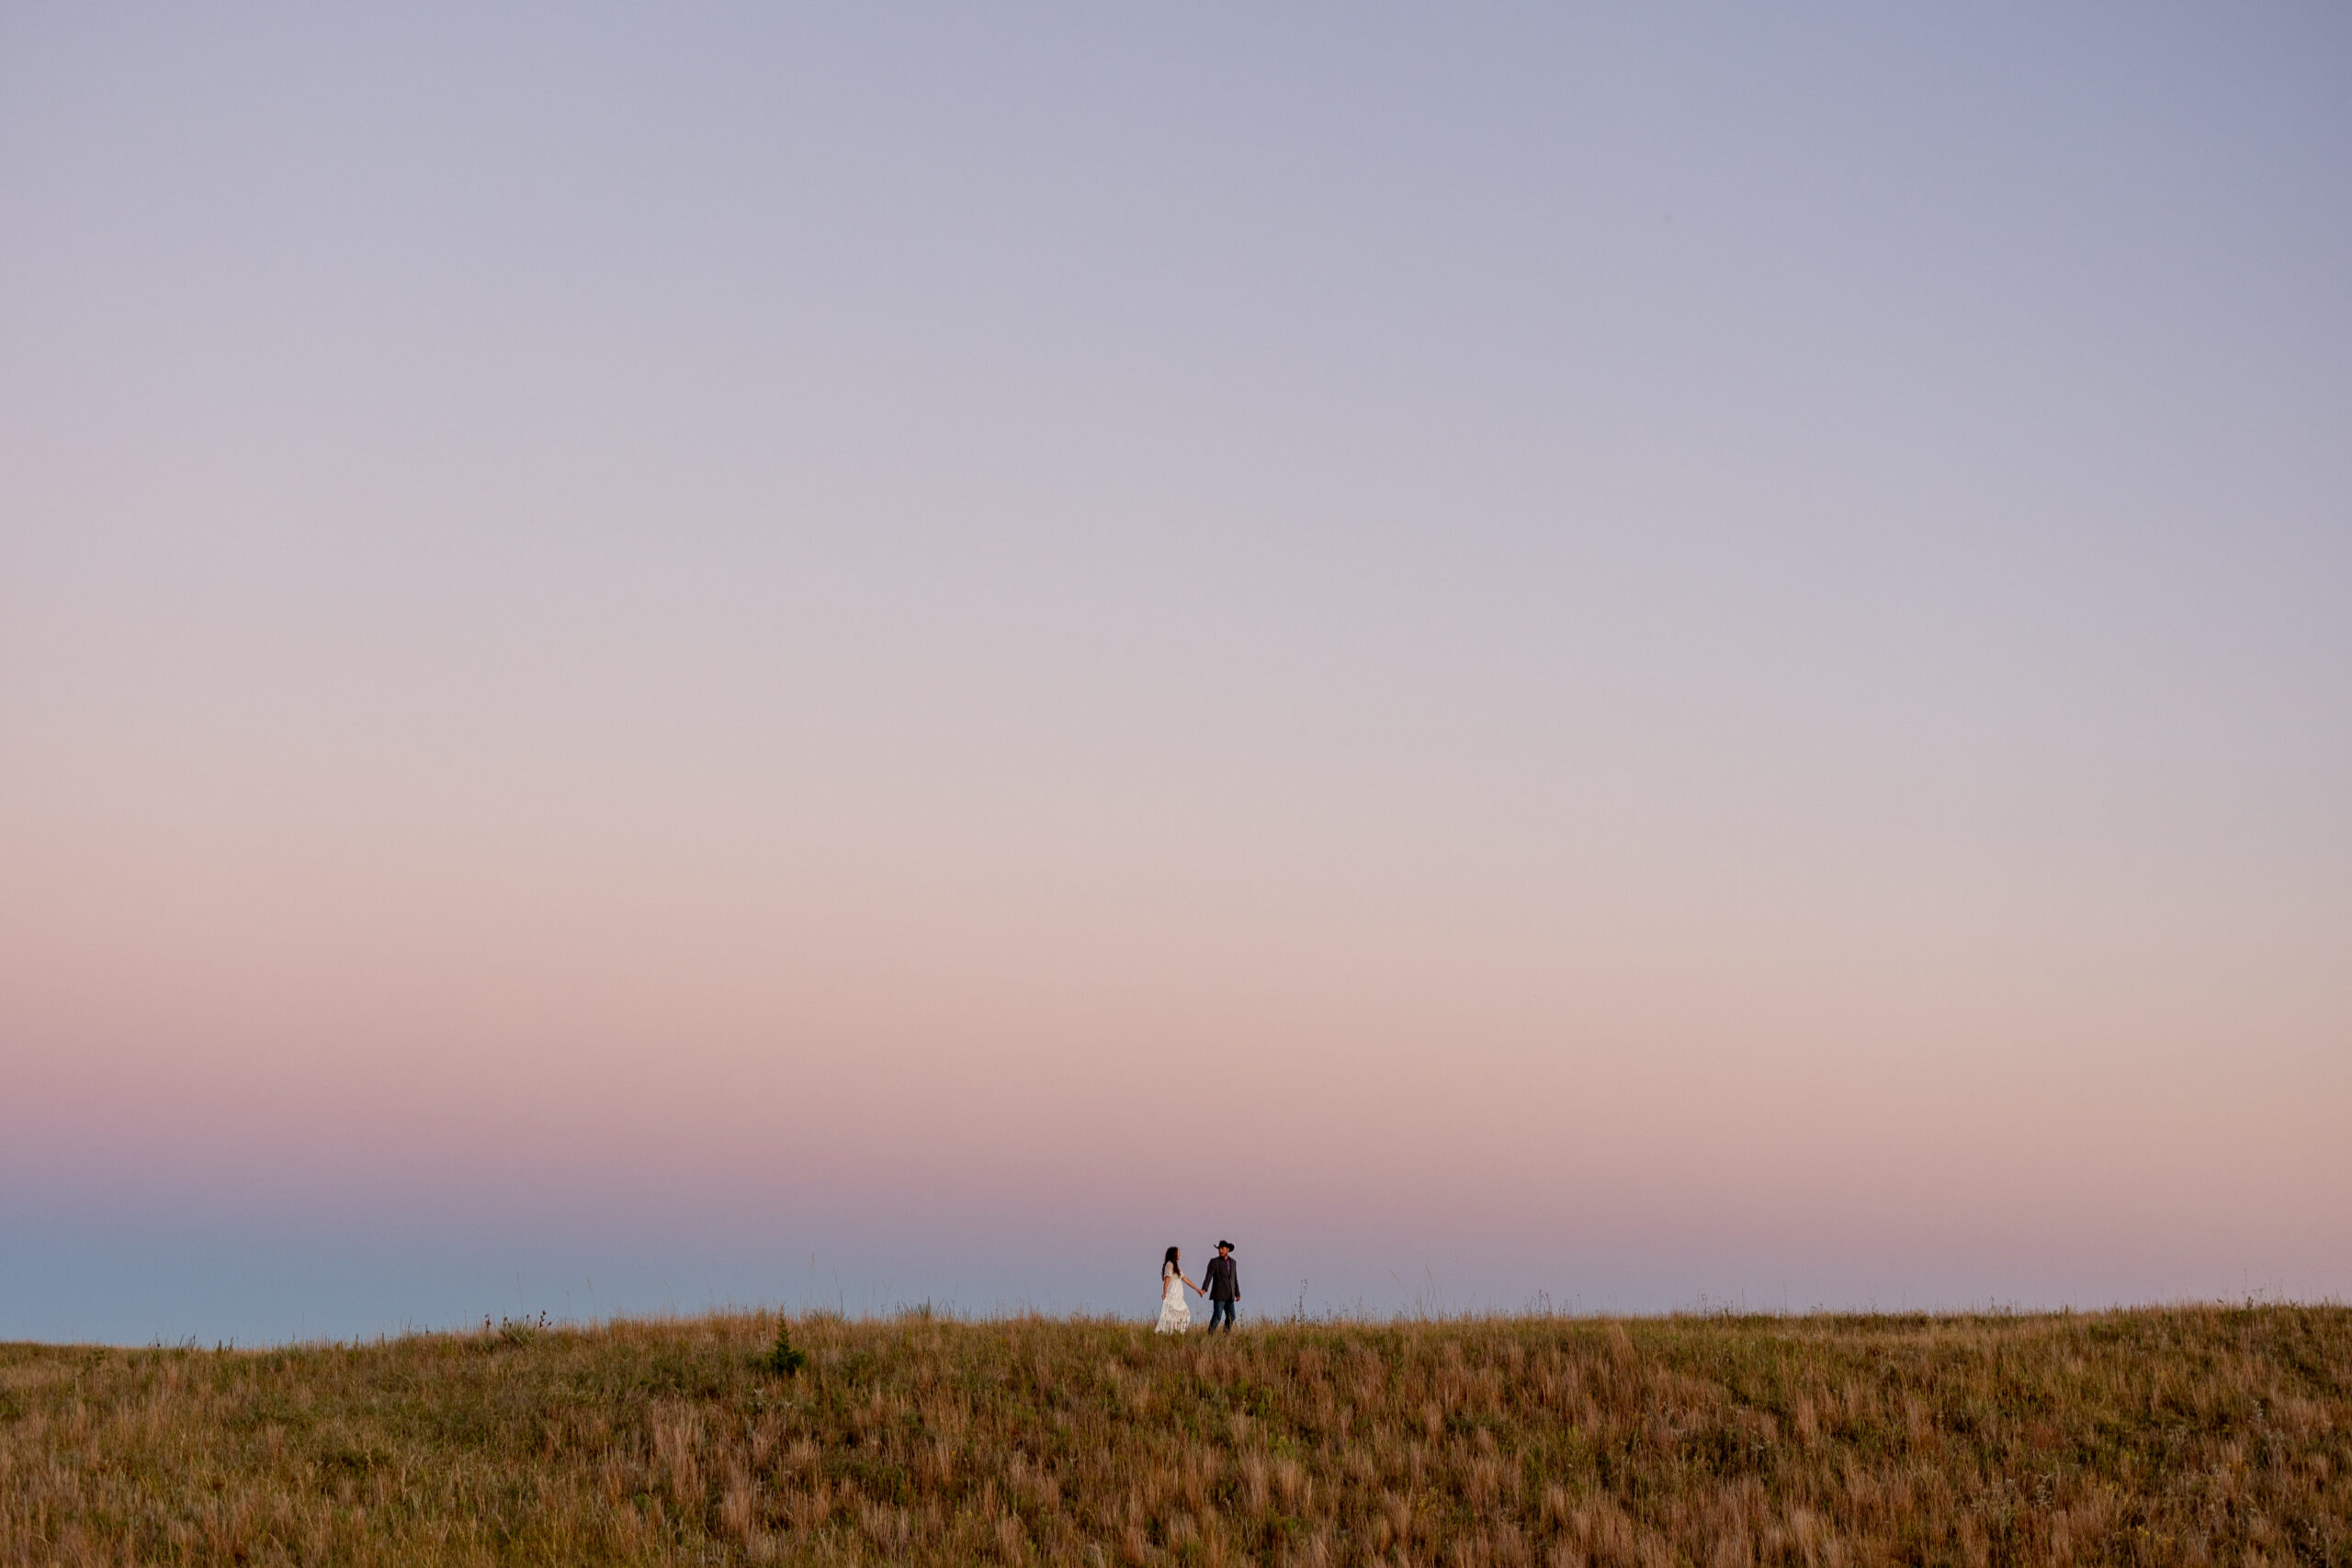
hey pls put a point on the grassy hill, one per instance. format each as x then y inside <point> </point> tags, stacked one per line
<point>2158,1437</point>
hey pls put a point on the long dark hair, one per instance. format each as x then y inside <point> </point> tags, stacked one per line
<point>1168,1261</point>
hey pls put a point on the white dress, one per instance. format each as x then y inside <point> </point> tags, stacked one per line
<point>1174,1315</point>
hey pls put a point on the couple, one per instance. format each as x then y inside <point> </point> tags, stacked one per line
<point>1223,1289</point>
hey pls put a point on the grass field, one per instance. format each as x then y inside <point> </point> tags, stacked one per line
<point>2186,1435</point>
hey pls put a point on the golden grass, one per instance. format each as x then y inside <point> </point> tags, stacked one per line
<point>2180,1436</point>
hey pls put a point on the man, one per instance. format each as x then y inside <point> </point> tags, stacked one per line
<point>1221,1287</point>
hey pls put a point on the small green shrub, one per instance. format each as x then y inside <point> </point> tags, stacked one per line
<point>782,1358</point>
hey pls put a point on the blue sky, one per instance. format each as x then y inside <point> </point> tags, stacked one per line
<point>1634,654</point>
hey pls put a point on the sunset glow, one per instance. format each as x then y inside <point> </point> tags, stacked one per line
<point>654,660</point>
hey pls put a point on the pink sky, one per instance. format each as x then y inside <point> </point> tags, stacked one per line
<point>1557,658</point>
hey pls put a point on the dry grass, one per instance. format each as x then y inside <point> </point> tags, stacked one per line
<point>2161,1436</point>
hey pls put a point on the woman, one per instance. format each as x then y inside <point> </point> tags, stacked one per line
<point>1174,1315</point>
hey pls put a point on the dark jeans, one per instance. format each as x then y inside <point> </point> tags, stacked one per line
<point>1221,1310</point>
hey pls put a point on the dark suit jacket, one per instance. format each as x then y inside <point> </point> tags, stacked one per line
<point>1219,1281</point>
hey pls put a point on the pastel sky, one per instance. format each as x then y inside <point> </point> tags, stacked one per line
<point>1631,658</point>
